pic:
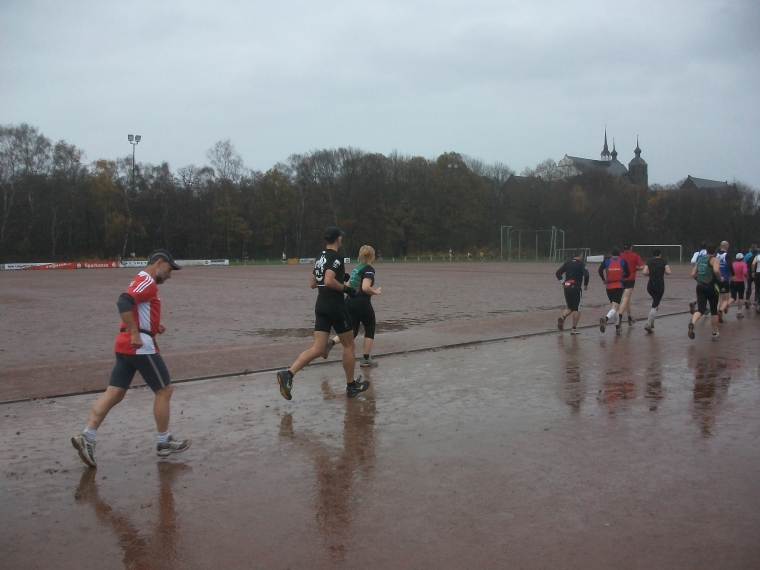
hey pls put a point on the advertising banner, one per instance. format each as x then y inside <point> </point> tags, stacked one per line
<point>124,263</point>
<point>307,260</point>
<point>14,266</point>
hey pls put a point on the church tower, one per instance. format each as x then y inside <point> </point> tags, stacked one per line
<point>638,168</point>
<point>606,156</point>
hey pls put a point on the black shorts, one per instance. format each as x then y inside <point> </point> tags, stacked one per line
<point>737,289</point>
<point>150,366</point>
<point>707,293</point>
<point>331,315</point>
<point>573,298</point>
<point>615,295</point>
<point>629,284</point>
<point>723,285</point>
<point>361,312</point>
<point>656,292</point>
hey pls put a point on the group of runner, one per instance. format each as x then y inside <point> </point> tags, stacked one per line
<point>140,310</point>
<point>618,273</point>
<point>720,283</point>
<point>721,280</point>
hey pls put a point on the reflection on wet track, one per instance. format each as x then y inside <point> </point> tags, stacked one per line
<point>156,547</point>
<point>339,470</point>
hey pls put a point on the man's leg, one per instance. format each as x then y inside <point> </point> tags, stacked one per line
<point>317,348</point>
<point>625,303</point>
<point>576,318</point>
<point>103,405</point>
<point>349,358</point>
<point>84,442</point>
<point>161,408</point>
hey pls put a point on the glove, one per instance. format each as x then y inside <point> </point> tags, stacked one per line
<point>346,278</point>
<point>350,291</point>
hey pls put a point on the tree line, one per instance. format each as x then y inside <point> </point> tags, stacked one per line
<point>54,205</point>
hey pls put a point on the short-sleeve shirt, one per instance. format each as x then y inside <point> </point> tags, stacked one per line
<point>656,267</point>
<point>329,260</point>
<point>147,314</point>
<point>633,260</point>
<point>366,272</point>
<point>740,271</point>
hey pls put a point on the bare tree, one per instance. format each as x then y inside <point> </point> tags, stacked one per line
<point>226,161</point>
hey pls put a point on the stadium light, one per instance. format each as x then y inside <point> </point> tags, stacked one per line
<point>133,140</point>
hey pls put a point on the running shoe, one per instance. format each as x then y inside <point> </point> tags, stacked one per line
<point>631,321</point>
<point>715,335</point>
<point>85,448</point>
<point>692,307</point>
<point>618,329</point>
<point>328,348</point>
<point>357,387</point>
<point>746,304</point>
<point>561,323</point>
<point>739,315</point>
<point>603,324</point>
<point>720,317</point>
<point>575,331</point>
<point>649,328</point>
<point>367,362</point>
<point>691,331</point>
<point>166,448</point>
<point>285,379</point>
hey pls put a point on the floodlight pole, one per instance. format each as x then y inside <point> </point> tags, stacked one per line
<point>134,141</point>
<point>502,240</point>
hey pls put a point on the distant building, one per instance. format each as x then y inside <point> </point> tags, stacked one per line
<point>692,183</point>
<point>636,173</point>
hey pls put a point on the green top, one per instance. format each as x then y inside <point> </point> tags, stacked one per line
<point>354,281</point>
<point>704,269</point>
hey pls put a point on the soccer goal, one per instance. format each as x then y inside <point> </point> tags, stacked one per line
<point>530,245</point>
<point>565,253</point>
<point>669,251</point>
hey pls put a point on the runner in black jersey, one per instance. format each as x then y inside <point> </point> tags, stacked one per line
<point>656,269</point>
<point>330,311</point>
<point>360,310</point>
<point>576,275</point>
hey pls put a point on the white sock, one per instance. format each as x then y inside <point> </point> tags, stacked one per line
<point>163,437</point>
<point>652,315</point>
<point>611,315</point>
<point>90,434</point>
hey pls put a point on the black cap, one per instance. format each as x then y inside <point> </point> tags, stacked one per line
<point>332,233</point>
<point>615,251</point>
<point>165,255</point>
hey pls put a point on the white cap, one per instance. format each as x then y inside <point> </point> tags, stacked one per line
<point>739,256</point>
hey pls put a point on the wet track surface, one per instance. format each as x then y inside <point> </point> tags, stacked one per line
<point>544,451</point>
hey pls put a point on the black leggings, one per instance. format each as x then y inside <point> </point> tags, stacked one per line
<point>707,293</point>
<point>361,312</point>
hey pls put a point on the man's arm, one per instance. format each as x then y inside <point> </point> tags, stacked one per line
<point>601,271</point>
<point>560,271</point>
<point>626,269</point>
<point>667,269</point>
<point>585,277</point>
<point>125,304</point>
<point>313,281</point>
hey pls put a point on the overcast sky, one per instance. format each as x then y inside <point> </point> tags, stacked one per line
<point>509,81</point>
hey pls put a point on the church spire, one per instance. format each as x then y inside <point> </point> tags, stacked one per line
<point>606,156</point>
<point>614,153</point>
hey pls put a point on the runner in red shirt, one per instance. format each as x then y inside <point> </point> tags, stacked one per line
<point>136,351</point>
<point>635,263</point>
